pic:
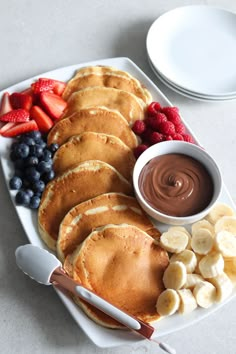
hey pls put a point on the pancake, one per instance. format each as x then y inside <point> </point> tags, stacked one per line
<point>124,265</point>
<point>95,146</point>
<point>85,181</point>
<point>94,119</point>
<point>130,106</point>
<point>110,208</point>
<point>107,77</point>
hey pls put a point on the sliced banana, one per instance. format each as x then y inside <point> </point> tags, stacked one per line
<point>230,268</point>
<point>175,276</point>
<point>223,285</point>
<point>174,241</point>
<point>168,302</point>
<point>192,280</point>
<point>205,294</point>
<point>182,229</point>
<point>203,224</point>
<point>211,265</point>
<point>187,257</point>
<point>218,211</point>
<point>225,242</point>
<point>202,241</point>
<point>226,223</point>
<point>199,257</point>
<point>187,301</point>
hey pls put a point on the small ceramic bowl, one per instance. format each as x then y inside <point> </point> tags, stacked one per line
<point>179,147</point>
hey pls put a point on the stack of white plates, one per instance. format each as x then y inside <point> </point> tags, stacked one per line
<point>192,50</point>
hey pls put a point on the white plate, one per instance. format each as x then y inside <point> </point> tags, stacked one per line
<point>186,93</point>
<point>195,48</point>
<point>102,337</point>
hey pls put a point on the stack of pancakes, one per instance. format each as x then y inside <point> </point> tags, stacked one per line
<point>88,213</point>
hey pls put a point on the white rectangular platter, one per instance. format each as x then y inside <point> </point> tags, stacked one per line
<point>102,337</point>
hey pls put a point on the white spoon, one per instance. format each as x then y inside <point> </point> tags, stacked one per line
<point>46,269</point>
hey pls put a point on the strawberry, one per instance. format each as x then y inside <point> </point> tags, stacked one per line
<point>53,104</point>
<point>41,118</point>
<point>59,87</point>
<point>16,116</point>
<point>20,128</point>
<point>21,100</point>
<point>6,126</point>
<point>5,106</point>
<point>42,85</point>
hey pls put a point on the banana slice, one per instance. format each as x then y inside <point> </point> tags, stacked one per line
<point>174,241</point>
<point>203,224</point>
<point>192,280</point>
<point>199,257</point>
<point>182,229</point>
<point>187,257</point>
<point>168,302</point>
<point>218,211</point>
<point>175,276</point>
<point>226,223</point>
<point>223,285</point>
<point>205,294</point>
<point>225,242</point>
<point>230,268</point>
<point>187,301</point>
<point>202,241</point>
<point>211,265</point>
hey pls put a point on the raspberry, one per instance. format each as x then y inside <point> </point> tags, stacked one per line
<point>146,135</point>
<point>172,114</point>
<point>167,128</point>
<point>188,138</point>
<point>153,108</point>
<point>139,150</point>
<point>180,128</point>
<point>156,137</point>
<point>139,127</point>
<point>177,136</point>
<point>154,121</point>
<point>168,137</point>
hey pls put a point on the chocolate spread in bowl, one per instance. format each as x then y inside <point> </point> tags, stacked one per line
<point>176,185</point>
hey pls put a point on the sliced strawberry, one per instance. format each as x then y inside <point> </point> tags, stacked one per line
<point>59,87</point>
<point>42,85</point>
<point>21,128</point>
<point>5,106</point>
<point>16,116</point>
<point>53,104</point>
<point>43,121</point>
<point>6,126</point>
<point>21,100</point>
<point>28,91</point>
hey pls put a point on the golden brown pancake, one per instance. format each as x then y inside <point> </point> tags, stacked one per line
<point>95,146</point>
<point>107,77</point>
<point>84,181</point>
<point>110,208</point>
<point>130,106</point>
<point>94,119</point>
<point>125,266</point>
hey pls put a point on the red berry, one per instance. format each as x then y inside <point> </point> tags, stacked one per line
<point>16,116</point>
<point>139,127</point>
<point>139,150</point>
<point>20,128</point>
<point>53,104</point>
<point>172,114</point>
<point>21,100</point>
<point>156,137</point>
<point>42,85</point>
<point>153,108</point>
<point>180,128</point>
<point>177,136</point>
<point>188,138</point>
<point>146,135</point>
<point>41,118</point>
<point>168,137</point>
<point>5,105</point>
<point>167,128</point>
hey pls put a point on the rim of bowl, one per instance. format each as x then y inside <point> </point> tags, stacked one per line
<point>153,151</point>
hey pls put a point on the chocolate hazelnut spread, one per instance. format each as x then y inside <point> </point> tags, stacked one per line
<point>176,185</point>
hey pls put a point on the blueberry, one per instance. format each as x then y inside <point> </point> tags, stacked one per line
<point>19,164</point>
<point>41,143</point>
<point>44,166</point>
<point>22,198</point>
<point>30,192</point>
<point>53,147</point>
<point>15,183</point>
<point>34,202</point>
<point>38,186</point>
<point>48,176</point>
<point>32,174</point>
<point>47,155</point>
<point>36,150</point>
<point>22,150</point>
<point>31,161</point>
<point>27,140</point>
<point>35,134</point>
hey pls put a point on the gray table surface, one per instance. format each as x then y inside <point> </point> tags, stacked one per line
<point>45,35</point>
